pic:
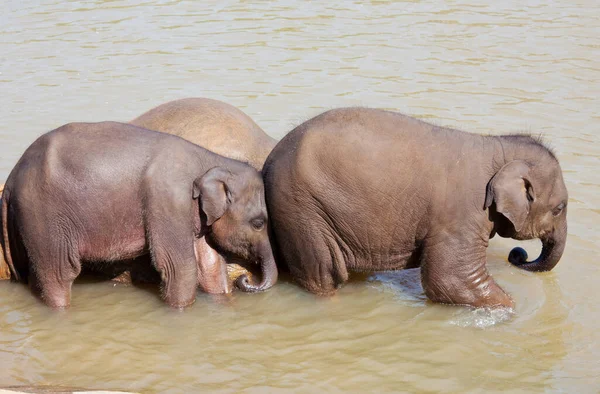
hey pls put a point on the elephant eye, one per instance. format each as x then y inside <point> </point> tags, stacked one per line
<point>258,224</point>
<point>557,211</point>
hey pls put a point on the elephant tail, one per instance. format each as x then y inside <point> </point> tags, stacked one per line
<point>5,235</point>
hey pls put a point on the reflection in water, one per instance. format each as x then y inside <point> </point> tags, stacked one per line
<point>489,68</point>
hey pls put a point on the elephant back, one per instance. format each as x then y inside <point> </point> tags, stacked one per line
<point>212,124</point>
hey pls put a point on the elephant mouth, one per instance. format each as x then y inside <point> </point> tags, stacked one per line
<point>520,237</point>
<point>502,226</point>
<point>252,265</point>
<point>506,229</point>
<point>233,253</point>
<point>510,232</point>
<point>543,236</point>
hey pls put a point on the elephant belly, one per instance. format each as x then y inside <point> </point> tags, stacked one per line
<point>117,246</point>
<point>111,229</point>
<point>377,261</point>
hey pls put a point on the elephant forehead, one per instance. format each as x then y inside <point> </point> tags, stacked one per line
<point>549,180</point>
<point>251,197</point>
<point>251,185</point>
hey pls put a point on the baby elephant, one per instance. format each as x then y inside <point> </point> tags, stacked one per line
<point>359,189</point>
<point>107,192</point>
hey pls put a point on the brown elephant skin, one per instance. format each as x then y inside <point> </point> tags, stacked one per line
<point>362,190</point>
<point>103,192</point>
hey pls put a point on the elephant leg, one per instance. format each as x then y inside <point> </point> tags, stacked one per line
<point>53,271</point>
<point>212,269</point>
<point>173,256</point>
<point>177,266</point>
<point>312,255</point>
<point>171,243</point>
<point>454,272</point>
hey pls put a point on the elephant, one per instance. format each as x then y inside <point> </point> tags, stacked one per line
<point>218,127</point>
<point>109,191</point>
<point>212,124</point>
<point>142,269</point>
<point>360,190</point>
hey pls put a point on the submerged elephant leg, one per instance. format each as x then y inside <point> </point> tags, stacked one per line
<point>313,258</point>
<point>178,271</point>
<point>172,245</point>
<point>53,271</point>
<point>454,272</point>
<point>173,256</point>
<point>212,269</point>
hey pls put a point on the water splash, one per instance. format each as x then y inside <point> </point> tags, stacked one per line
<point>481,317</point>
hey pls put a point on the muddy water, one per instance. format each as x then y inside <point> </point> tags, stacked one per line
<point>508,67</point>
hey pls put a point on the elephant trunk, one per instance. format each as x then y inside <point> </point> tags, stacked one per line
<point>269,273</point>
<point>552,250</point>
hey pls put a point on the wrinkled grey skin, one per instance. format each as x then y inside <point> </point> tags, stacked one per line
<point>104,192</point>
<point>218,127</point>
<point>214,125</point>
<point>364,190</point>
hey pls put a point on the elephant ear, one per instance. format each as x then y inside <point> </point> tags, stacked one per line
<point>213,192</point>
<point>512,192</point>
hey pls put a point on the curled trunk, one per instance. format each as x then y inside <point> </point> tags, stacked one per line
<point>269,273</point>
<point>553,247</point>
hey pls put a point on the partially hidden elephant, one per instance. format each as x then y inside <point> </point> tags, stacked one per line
<point>358,189</point>
<point>212,124</point>
<point>218,127</point>
<point>104,192</point>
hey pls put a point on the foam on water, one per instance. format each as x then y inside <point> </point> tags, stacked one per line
<point>481,317</point>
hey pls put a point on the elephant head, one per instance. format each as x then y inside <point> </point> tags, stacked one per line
<point>528,199</point>
<point>233,209</point>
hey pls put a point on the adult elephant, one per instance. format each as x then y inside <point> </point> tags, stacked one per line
<point>360,189</point>
<point>212,124</point>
